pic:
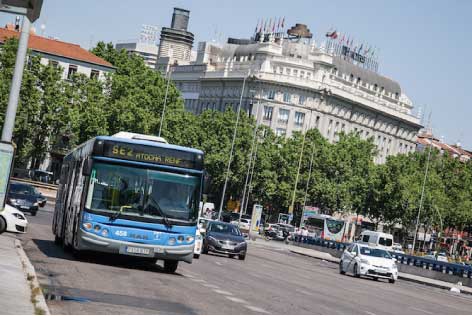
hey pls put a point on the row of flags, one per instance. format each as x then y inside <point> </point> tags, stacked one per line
<point>345,46</point>
<point>347,40</point>
<point>270,26</point>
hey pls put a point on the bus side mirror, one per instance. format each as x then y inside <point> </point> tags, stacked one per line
<point>206,182</point>
<point>87,169</point>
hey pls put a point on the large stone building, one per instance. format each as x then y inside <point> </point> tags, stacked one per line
<point>293,85</point>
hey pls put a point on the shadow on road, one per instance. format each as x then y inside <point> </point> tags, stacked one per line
<point>51,250</point>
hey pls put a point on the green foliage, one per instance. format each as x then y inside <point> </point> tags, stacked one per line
<point>343,176</point>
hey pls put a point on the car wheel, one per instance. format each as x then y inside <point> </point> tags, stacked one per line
<point>242,257</point>
<point>3,225</point>
<point>341,268</point>
<point>33,213</point>
<point>391,281</point>
<point>231,256</point>
<point>356,271</point>
<point>170,265</point>
<point>205,249</point>
<point>196,255</point>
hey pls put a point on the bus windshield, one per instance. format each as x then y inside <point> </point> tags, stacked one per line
<point>143,192</point>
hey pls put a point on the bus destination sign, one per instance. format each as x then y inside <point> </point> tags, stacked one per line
<point>154,155</point>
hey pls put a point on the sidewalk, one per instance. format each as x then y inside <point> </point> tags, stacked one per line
<point>19,290</point>
<point>404,276</point>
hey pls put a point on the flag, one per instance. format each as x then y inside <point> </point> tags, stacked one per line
<point>367,50</point>
<point>348,39</point>
<point>332,35</point>
<point>283,22</point>
<point>268,25</point>
<point>257,26</point>
<point>360,48</point>
<point>278,25</point>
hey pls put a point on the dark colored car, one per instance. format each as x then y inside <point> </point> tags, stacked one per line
<point>224,238</point>
<point>23,197</point>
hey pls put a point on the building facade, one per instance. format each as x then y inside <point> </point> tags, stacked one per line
<point>292,85</point>
<point>147,51</point>
<point>70,57</point>
<point>175,46</point>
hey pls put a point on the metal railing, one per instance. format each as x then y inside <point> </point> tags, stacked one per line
<point>456,269</point>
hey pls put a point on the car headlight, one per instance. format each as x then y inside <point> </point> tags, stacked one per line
<point>13,201</point>
<point>35,204</point>
<point>18,215</point>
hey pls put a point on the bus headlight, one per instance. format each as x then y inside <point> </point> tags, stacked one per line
<point>96,228</point>
<point>171,241</point>
<point>190,238</point>
<point>180,238</point>
<point>105,232</point>
<point>87,226</point>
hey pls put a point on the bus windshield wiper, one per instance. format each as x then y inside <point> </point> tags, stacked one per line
<point>114,216</point>
<point>165,219</point>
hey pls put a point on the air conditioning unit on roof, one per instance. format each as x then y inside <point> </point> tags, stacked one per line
<point>136,136</point>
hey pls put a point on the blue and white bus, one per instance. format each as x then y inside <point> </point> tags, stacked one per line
<point>133,195</point>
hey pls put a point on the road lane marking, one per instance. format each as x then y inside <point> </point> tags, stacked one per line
<point>257,309</point>
<point>211,286</point>
<point>223,292</point>
<point>199,280</point>
<point>219,263</point>
<point>370,313</point>
<point>421,310</point>
<point>237,300</point>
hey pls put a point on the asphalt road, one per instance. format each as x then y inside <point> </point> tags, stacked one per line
<point>271,280</point>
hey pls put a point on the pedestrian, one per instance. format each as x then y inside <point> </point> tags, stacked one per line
<point>304,234</point>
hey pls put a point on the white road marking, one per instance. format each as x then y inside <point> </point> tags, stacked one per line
<point>257,309</point>
<point>237,300</point>
<point>219,263</point>
<point>211,286</point>
<point>421,310</point>
<point>223,292</point>
<point>367,312</point>
<point>199,280</point>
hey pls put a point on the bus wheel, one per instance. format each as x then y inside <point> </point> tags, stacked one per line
<point>170,265</point>
<point>57,240</point>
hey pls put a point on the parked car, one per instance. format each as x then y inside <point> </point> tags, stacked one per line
<point>397,248</point>
<point>381,240</point>
<point>197,250</point>
<point>364,260</point>
<point>23,197</point>
<point>12,220</point>
<point>224,238</point>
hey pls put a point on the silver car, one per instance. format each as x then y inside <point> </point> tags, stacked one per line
<point>363,260</point>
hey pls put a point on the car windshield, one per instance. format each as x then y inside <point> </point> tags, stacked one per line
<point>143,192</point>
<point>372,252</point>
<point>21,188</point>
<point>223,228</point>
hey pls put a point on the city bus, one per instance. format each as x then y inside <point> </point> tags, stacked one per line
<point>325,227</point>
<point>130,194</point>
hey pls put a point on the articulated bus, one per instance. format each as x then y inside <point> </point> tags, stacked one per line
<point>132,195</point>
<point>325,227</point>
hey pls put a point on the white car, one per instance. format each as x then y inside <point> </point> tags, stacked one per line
<point>197,250</point>
<point>365,260</point>
<point>12,220</point>
<point>398,248</point>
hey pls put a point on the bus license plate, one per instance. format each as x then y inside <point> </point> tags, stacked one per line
<point>138,251</point>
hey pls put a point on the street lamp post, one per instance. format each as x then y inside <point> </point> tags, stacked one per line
<point>165,101</point>
<point>30,9</point>
<point>232,147</point>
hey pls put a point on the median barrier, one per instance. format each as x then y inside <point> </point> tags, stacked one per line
<point>445,271</point>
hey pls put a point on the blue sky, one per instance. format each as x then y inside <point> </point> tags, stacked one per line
<point>424,45</point>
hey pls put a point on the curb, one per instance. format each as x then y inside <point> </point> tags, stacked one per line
<point>439,286</point>
<point>38,299</point>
